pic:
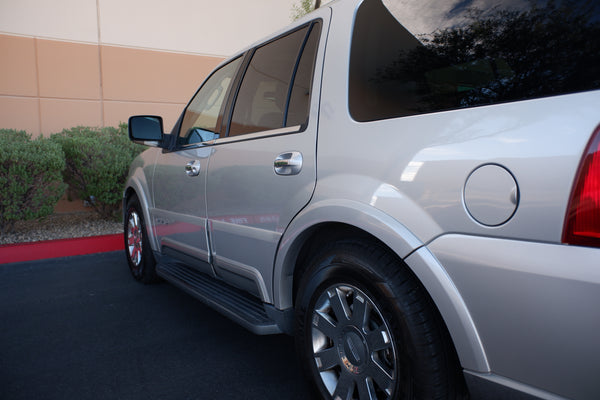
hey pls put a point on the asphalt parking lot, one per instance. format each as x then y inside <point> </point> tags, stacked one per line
<point>81,328</point>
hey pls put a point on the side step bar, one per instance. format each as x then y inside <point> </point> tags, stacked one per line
<point>235,304</point>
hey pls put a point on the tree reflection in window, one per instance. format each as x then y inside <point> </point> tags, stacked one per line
<point>492,56</point>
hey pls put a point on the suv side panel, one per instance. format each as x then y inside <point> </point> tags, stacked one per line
<point>520,306</point>
<point>250,200</point>
<point>446,147</point>
<point>414,170</point>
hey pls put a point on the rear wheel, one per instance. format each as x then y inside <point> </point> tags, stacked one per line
<point>137,247</point>
<point>366,328</point>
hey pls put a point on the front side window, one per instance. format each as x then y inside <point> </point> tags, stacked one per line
<point>262,99</point>
<point>203,117</point>
<point>409,59</point>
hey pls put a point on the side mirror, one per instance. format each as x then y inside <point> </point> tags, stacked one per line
<point>146,129</point>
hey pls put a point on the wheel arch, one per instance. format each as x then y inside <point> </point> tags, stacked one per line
<point>135,186</point>
<point>333,217</point>
<point>335,220</point>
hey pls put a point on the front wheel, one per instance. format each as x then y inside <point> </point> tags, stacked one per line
<point>366,328</point>
<point>137,247</point>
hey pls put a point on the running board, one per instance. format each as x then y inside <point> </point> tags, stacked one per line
<point>235,304</point>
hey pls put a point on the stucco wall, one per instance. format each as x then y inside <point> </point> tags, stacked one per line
<point>96,62</point>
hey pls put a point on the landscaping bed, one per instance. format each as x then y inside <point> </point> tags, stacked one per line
<point>62,226</point>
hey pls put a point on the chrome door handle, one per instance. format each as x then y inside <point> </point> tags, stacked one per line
<point>288,163</point>
<point>192,168</point>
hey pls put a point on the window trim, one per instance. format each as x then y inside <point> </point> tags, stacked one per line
<point>286,130</point>
<point>235,89</point>
<point>249,54</point>
<point>295,72</point>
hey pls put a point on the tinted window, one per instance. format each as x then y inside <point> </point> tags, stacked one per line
<point>263,94</point>
<point>457,55</point>
<point>299,102</point>
<point>204,115</point>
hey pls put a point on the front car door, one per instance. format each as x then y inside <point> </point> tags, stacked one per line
<point>179,215</point>
<point>263,173</point>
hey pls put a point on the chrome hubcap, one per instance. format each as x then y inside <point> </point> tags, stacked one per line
<point>352,345</point>
<point>134,238</point>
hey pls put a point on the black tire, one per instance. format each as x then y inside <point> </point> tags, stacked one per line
<point>137,247</point>
<point>366,328</point>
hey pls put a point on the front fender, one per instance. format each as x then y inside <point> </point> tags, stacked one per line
<point>139,182</point>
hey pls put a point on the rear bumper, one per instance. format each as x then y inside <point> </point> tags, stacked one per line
<point>535,307</point>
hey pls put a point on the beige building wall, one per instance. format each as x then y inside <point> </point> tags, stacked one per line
<point>96,62</point>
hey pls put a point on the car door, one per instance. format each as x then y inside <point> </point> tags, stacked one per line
<point>179,213</point>
<point>263,173</point>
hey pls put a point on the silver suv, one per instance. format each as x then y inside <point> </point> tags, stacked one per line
<point>411,189</point>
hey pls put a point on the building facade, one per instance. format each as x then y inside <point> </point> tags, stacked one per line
<point>96,62</point>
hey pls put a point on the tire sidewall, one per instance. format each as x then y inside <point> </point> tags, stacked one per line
<point>144,271</point>
<point>346,265</point>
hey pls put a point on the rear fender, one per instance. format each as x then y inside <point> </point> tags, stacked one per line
<point>356,214</point>
<point>401,241</point>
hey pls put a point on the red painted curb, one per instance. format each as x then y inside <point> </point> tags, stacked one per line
<point>60,248</point>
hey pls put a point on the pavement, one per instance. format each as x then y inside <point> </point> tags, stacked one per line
<point>80,327</point>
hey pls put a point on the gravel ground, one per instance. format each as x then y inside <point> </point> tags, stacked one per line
<point>61,226</point>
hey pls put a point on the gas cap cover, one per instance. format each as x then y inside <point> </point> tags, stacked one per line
<point>491,195</point>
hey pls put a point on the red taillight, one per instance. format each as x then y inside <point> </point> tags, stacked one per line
<point>582,224</point>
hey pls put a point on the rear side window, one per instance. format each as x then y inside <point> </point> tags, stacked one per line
<point>462,56</point>
<point>299,101</point>
<point>277,83</point>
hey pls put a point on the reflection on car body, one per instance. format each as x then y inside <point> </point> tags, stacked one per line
<point>410,188</point>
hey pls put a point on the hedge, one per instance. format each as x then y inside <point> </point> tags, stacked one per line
<point>97,163</point>
<point>30,177</point>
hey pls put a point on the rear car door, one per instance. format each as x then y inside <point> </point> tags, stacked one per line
<point>264,171</point>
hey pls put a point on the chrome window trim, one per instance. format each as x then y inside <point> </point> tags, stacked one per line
<point>257,135</point>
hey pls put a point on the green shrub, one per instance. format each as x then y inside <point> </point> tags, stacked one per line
<point>30,177</point>
<point>97,164</point>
